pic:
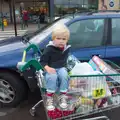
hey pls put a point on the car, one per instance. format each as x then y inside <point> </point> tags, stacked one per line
<point>91,33</point>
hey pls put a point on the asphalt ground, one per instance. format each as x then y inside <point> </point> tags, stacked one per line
<point>22,111</point>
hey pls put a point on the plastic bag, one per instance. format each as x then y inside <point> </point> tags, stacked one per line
<point>82,69</point>
<point>71,62</point>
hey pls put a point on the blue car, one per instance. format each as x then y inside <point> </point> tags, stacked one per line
<point>91,34</point>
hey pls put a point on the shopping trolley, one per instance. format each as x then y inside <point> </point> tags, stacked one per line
<point>87,94</point>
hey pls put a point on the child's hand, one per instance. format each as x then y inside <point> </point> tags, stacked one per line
<point>50,70</point>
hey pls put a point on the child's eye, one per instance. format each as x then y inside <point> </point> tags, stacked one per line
<point>58,38</point>
<point>64,38</point>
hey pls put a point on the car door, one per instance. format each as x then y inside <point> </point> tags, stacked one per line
<point>113,47</point>
<point>87,38</point>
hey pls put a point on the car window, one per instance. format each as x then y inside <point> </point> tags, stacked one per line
<point>115,31</point>
<point>86,33</point>
<point>47,31</point>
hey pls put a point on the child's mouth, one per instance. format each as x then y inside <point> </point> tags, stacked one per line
<point>61,45</point>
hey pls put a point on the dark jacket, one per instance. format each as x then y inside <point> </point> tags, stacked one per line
<point>54,57</point>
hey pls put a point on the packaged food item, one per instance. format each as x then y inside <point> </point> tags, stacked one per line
<point>90,86</point>
<point>77,85</point>
<point>84,101</point>
<point>102,102</point>
<point>84,109</point>
<point>106,69</point>
<point>115,99</point>
<point>58,113</point>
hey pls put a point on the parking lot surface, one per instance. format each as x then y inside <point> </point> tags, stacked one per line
<point>22,111</point>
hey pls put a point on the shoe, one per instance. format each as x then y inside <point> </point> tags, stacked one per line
<point>63,101</point>
<point>49,104</point>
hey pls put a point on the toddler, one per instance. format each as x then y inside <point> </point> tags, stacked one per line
<point>54,60</point>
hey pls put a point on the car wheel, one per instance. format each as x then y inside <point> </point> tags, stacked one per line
<point>12,89</point>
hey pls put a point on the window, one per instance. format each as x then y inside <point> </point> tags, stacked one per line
<point>116,31</point>
<point>86,33</point>
<point>119,4</point>
<point>69,6</point>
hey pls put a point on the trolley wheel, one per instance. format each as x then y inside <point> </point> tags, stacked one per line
<point>33,112</point>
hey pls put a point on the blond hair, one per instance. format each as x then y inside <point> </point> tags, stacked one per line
<point>60,29</point>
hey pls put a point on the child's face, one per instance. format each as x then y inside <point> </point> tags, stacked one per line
<point>60,40</point>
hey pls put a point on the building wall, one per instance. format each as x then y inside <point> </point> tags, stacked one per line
<point>27,3</point>
<point>106,2</point>
<point>30,3</point>
<point>5,7</point>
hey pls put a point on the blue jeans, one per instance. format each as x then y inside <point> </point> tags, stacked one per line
<point>58,81</point>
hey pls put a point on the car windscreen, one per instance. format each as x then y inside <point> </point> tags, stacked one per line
<point>40,34</point>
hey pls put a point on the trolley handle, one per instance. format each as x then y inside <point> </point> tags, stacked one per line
<point>35,49</point>
<point>23,65</point>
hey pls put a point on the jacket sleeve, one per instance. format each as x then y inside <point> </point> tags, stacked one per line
<point>44,59</point>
